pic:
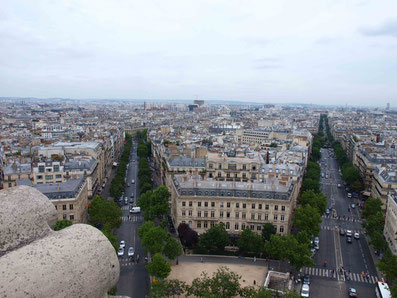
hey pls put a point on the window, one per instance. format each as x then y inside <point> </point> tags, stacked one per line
<point>205,204</point>
<point>243,226</point>
<point>228,214</point>
<point>258,227</point>
<point>275,207</point>
<point>243,215</point>
<point>267,207</point>
<point>282,217</point>
<point>212,204</point>
<point>205,213</point>
<point>210,175</point>
<point>190,203</point>
<point>253,216</point>
<point>40,177</point>
<point>58,176</point>
<point>244,176</point>
<point>9,184</point>
<point>70,206</point>
<point>222,204</point>
<point>252,226</point>
<point>282,208</point>
<point>219,174</point>
<point>237,215</point>
<point>228,175</point>
<point>228,204</point>
<point>56,168</point>
<point>281,229</point>
<point>253,176</point>
<point>212,224</point>
<point>48,177</point>
<point>206,225</point>
<point>227,225</point>
<point>236,227</point>
<point>183,204</point>
<point>183,213</point>
<point>220,166</point>
<point>41,169</point>
<point>244,167</point>
<point>259,206</point>
<point>64,216</point>
<point>275,216</point>
<point>237,205</point>
<point>198,204</point>
<point>259,216</point>
<point>232,167</point>
<point>266,216</point>
<point>190,224</point>
<point>253,206</point>
<point>198,213</point>
<point>244,205</point>
<point>211,166</point>
<point>212,213</point>
<point>221,214</point>
<point>63,207</point>
<point>199,224</point>
<point>190,212</point>
<point>71,217</point>
<point>254,168</point>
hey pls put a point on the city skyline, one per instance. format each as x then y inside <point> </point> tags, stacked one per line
<point>311,52</point>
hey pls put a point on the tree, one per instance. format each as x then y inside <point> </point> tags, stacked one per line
<point>261,292</point>
<point>317,200</point>
<point>307,218</point>
<point>145,187</point>
<point>215,239</point>
<point>101,212</point>
<point>388,266</point>
<point>167,288</point>
<point>188,237</point>
<point>374,223</point>
<point>223,284</point>
<point>153,239</point>
<point>159,267</point>
<point>275,247</point>
<point>372,207</point>
<point>378,241</point>
<point>267,230</point>
<point>309,183</point>
<point>172,248</point>
<point>250,242</point>
<point>61,224</point>
<point>107,231</point>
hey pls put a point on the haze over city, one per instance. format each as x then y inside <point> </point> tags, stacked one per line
<point>319,52</point>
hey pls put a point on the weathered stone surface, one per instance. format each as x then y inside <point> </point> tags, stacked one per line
<point>78,261</point>
<point>25,215</point>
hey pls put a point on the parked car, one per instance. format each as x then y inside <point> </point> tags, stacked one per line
<point>122,243</point>
<point>349,233</point>
<point>356,235</point>
<point>305,290</point>
<point>349,239</point>
<point>349,195</point>
<point>327,211</point>
<point>316,240</point>
<point>317,246</point>
<point>306,279</point>
<point>120,252</point>
<point>132,181</point>
<point>353,206</point>
<point>342,232</point>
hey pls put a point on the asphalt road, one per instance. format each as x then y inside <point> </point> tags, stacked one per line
<point>355,257</point>
<point>134,278</point>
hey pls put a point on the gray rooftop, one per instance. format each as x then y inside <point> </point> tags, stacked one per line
<point>64,190</point>
<point>184,161</point>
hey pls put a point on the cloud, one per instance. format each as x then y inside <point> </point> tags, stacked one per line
<point>389,28</point>
<point>267,63</point>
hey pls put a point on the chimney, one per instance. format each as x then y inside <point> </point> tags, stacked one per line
<point>267,157</point>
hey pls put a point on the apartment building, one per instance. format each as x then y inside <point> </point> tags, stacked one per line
<point>390,230</point>
<point>83,166</point>
<point>202,203</point>
<point>48,172</point>
<point>384,182</point>
<point>15,171</point>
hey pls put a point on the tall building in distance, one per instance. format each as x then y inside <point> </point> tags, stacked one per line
<point>388,106</point>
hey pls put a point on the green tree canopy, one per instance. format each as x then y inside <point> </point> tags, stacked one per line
<point>61,224</point>
<point>215,239</point>
<point>101,212</point>
<point>388,266</point>
<point>268,229</point>
<point>312,184</point>
<point>250,242</point>
<point>372,207</point>
<point>317,200</point>
<point>153,238</point>
<point>307,218</point>
<point>172,248</point>
<point>159,267</point>
<point>168,288</point>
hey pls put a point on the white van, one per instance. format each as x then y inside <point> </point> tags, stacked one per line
<point>132,181</point>
<point>135,210</point>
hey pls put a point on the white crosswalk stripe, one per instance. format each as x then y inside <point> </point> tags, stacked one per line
<point>134,218</point>
<point>329,273</point>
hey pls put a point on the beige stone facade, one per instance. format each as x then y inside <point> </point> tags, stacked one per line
<point>390,230</point>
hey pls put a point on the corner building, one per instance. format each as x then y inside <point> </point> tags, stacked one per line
<point>203,203</point>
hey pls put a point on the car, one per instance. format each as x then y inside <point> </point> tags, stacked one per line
<point>133,160</point>
<point>339,185</point>
<point>131,251</point>
<point>125,201</point>
<point>317,246</point>
<point>316,240</point>
<point>352,292</point>
<point>353,206</point>
<point>131,201</point>
<point>132,195</point>
<point>327,211</point>
<point>306,279</point>
<point>326,176</point>
<point>122,243</point>
<point>342,232</point>
<point>120,252</point>
<point>128,184</point>
<point>313,251</point>
<point>305,290</point>
<point>132,181</point>
<point>356,235</point>
<point>349,239</point>
<point>349,233</point>
<point>349,195</point>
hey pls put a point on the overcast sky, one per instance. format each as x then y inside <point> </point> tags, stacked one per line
<point>331,52</point>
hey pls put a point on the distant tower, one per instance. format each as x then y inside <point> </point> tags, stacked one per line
<point>388,106</point>
<point>144,105</point>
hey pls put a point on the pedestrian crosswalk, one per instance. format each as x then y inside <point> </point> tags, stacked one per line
<point>125,208</point>
<point>334,228</point>
<point>344,219</point>
<point>134,218</point>
<point>127,262</point>
<point>330,273</point>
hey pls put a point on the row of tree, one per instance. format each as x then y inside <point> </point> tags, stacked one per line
<point>222,284</point>
<point>118,183</point>
<point>106,216</point>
